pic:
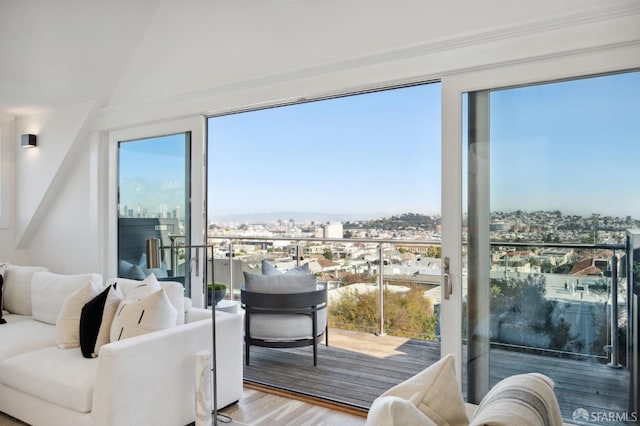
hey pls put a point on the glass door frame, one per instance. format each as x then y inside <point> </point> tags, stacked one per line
<point>537,70</point>
<point>196,126</point>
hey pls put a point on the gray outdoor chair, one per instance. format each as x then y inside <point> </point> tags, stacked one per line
<point>288,311</point>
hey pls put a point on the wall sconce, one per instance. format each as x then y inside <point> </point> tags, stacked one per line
<point>28,141</point>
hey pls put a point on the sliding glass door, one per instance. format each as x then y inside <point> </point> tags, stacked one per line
<point>551,192</point>
<point>154,202</point>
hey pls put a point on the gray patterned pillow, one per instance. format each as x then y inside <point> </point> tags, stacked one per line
<point>522,399</point>
<point>269,269</point>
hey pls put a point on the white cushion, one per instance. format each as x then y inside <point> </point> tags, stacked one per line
<point>63,378</point>
<point>49,291</point>
<point>135,317</point>
<point>435,392</point>
<point>522,399</point>
<point>25,335</point>
<point>277,327</point>
<point>394,411</point>
<point>282,283</point>
<point>174,290</point>
<point>68,321</point>
<point>16,292</point>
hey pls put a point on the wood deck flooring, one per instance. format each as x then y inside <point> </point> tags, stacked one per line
<point>358,367</point>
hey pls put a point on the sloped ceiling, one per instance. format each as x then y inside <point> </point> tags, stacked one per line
<point>57,53</point>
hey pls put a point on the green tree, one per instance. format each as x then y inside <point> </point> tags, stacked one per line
<point>406,315</point>
<point>521,304</point>
<point>328,254</point>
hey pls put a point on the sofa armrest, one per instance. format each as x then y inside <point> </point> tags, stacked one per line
<point>150,379</point>
<point>197,314</point>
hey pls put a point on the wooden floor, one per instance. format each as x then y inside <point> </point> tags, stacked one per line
<point>358,367</point>
<point>257,408</point>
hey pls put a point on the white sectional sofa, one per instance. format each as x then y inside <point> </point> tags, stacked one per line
<point>148,379</point>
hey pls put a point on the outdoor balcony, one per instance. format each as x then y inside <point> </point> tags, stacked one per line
<point>559,325</point>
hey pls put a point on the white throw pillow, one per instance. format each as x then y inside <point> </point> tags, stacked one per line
<point>16,291</point>
<point>135,317</point>
<point>395,411</point>
<point>174,290</point>
<point>435,392</point>
<point>68,321</point>
<point>143,288</point>
<point>49,291</point>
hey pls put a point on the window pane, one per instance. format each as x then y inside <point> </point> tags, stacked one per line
<point>559,165</point>
<point>153,203</point>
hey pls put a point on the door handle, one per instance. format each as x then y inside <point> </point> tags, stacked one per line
<point>446,279</point>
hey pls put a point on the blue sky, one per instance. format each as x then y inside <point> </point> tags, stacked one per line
<point>364,155</point>
<point>152,173</point>
<point>571,146</point>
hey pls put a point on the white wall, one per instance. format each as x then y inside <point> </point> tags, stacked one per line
<point>51,190</point>
<point>201,56</point>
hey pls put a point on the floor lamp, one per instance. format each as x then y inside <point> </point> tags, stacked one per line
<point>154,260</point>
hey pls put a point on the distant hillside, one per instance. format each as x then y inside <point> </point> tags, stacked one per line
<point>398,222</point>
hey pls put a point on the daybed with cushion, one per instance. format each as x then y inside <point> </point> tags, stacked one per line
<point>74,351</point>
<point>433,397</point>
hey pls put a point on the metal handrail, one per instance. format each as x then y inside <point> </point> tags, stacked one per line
<point>393,241</point>
<point>380,242</point>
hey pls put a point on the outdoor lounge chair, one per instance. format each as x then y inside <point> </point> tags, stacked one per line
<point>284,311</point>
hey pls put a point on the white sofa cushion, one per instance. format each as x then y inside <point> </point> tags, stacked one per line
<point>435,392</point>
<point>25,335</point>
<point>16,294</point>
<point>49,291</point>
<point>140,316</point>
<point>61,377</point>
<point>173,289</point>
<point>395,411</point>
<point>522,399</point>
<point>68,322</point>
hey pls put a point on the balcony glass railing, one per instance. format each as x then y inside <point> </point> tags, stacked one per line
<point>355,269</point>
<point>560,309</point>
<point>563,300</point>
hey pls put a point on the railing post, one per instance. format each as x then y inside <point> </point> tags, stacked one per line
<point>614,313</point>
<point>381,288</point>
<point>230,270</point>
<point>298,253</point>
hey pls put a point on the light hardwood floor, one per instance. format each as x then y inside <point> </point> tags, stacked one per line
<point>264,409</point>
<point>258,408</point>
